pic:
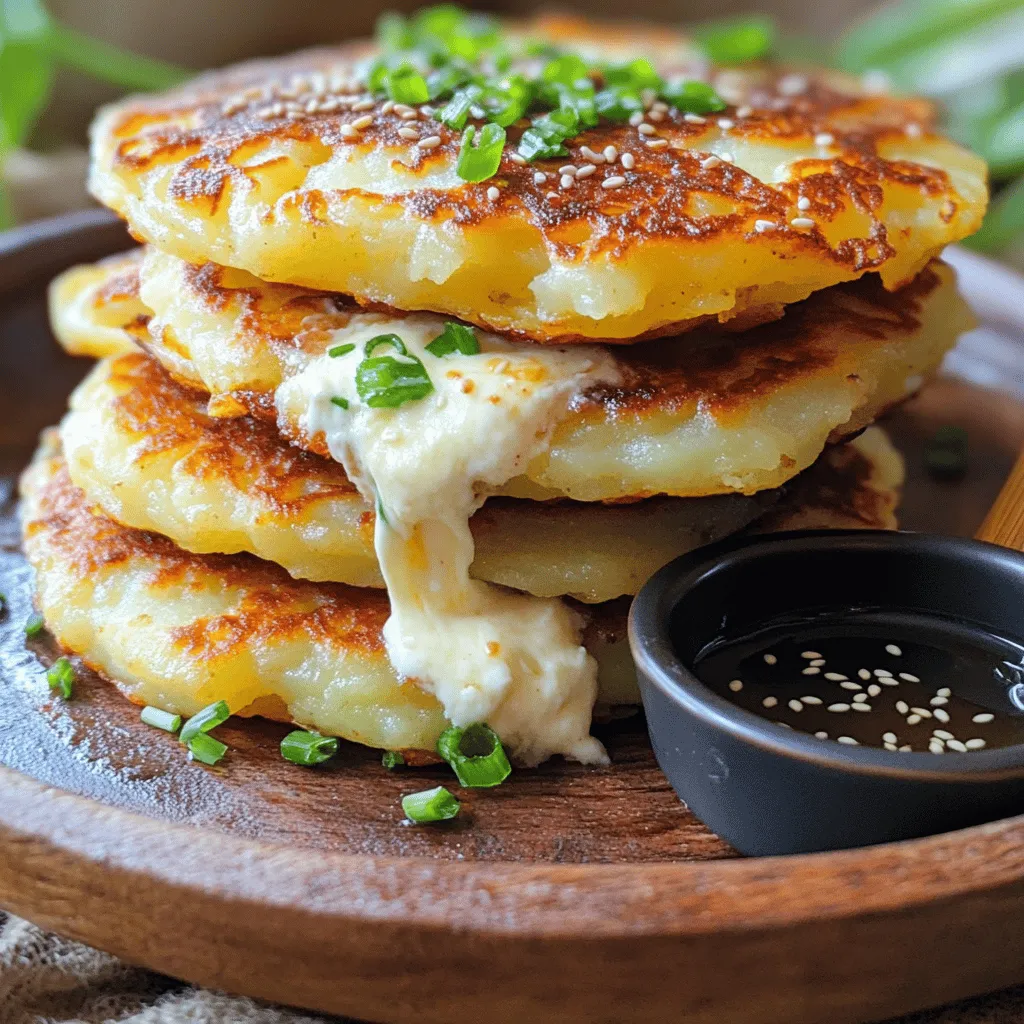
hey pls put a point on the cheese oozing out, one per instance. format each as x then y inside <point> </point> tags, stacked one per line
<point>487,653</point>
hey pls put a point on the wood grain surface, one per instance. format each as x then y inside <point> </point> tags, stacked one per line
<point>571,894</point>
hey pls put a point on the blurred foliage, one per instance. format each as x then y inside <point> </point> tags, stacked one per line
<point>32,46</point>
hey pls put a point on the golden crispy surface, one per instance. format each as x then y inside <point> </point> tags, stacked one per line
<point>258,167</point>
<point>147,452</point>
<point>722,412</point>
<point>180,630</point>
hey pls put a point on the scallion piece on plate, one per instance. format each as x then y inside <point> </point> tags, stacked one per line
<point>392,759</point>
<point>430,805</point>
<point>693,97</point>
<point>61,677</point>
<point>341,403</point>
<point>406,85</point>
<point>35,624</point>
<point>308,748</point>
<point>386,382</point>
<point>481,161</point>
<point>340,350</point>
<point>203,721</point>
<point>475,754</point>
<point>160,719</point>
<point>455,338</point>
<point>205,748</point>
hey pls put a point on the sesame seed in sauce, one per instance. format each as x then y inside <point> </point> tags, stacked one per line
<point>726,123</point>
<point>638,118</point>
<point>764,225</point>
<point>710,161</point>
<point>882,673</point>
<point>803,203</point>
<point>744,111</point>
<point>889,737</point>
<point>942,716</point>
<point>795,705</point>
<point>850,685</point>
<point>936,747</point>
<point>863,673</point>
<point>913,131</point>
<point>586,170</point>
<point>975,744</point>
<point>770,702</point>
<point>907,677</point>
<point>516,158</point>
<point>611,154</point>
<point>902,707</point>
<point>801,222</point>
<point>348,132</point>
<point>388,107</point>
<point>960,748</point>
<point>728,158</point>
<point>943,691</point>
<point>616,181</point>
<point>792,85</point>
<point>770,659</point>
<point>811,699</point>
<point>818,662</point>
<point>923,712</point>
<point>838,707</point>
<point>811,671</point>
<point>736,685</point>
<point>539,177</point>
<point>363,105</point>
<point>821,735</point>
<point>824,139</point>
<point>493,194</point>
<point>645,129</point>
<point>656,143</point>
<point>693,119</point>
<point>874,690</point>
<point>430,143</point>
<point>913,719</point>
<point>655,115</point>
<point>567,180</point>
<point>408,133</point>
<point>836,677</point>
<point>848,740</point>
<point>567,169</point>
<point>983,718</point>
<point>895,651</point>
<point>588,154</point>
<point>628,161</point>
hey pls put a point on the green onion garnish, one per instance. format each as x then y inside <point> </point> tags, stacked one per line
<point>61,677</point>
<point>384,382</point>
<point>405,84</point>
<point>160,719</point>
<point>341,403</point>
<point>308,748</point>
<point>566,69</point>
<point>430,805</point>
<point>34,625</point>
<point>693,97</point>
<point>636,75</point>
<point>381,514</point>
<point>206,749</point>
<point>476,755</point>
<point>392,759</point>
<point>480,162</point>
<point>340,350</point>
<point>546,136</point>
<point>203,721</point>
<point>737,40</point>
<point>455,338</point>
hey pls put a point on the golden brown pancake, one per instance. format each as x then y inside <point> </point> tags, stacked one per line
<point>291,170</point>
<point>724,412</point>
<point>179,630</point>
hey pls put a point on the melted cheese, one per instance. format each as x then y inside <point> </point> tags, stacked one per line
<point>487,653</point>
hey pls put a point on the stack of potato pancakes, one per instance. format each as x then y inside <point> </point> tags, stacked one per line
<point>437,347</point>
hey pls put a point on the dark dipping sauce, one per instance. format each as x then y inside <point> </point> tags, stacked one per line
<point>904,681</point>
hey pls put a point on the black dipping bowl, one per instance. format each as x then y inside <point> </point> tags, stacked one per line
<point>768,790</point>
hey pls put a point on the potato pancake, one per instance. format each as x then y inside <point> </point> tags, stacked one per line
<point>725,412</point>
<point>641,218</point>
<point>179,630</point>
<point>148,453</point>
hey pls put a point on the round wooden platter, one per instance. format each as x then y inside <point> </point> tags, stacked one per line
<point>569,894</point>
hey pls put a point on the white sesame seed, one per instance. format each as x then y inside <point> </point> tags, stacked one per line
<point>824,139</point>
<point>348,132</point>
<point>810,655</point>
<point>983,718</point>
<point>726,123</point>
<point>364,122</point>
<point>836,677</point>
<point>960,748</point>
<point>551,195</point>
<point>637,118</point>
<point>388,107</point>
<point>856,706</point>
<point>936,747</point>
<point>567,169</point>
<point>902,707</point>
<point>892,649</point>
<point>744,111</point>
<point>517,158</point>
<point>923,712</point>
<point>430,143</point>
<point>850,685</point>
<point>770,659</point>
<point>589,154</point>
<point>656,143</point>
<point>792,85</point>
<point>889,737</point>
<point>585,171</point>
<point>408,133</point>
<point>803,203</point>
<point>363,105</point>
<point>567,181</point>
<point>493,194</point>
<point>942,734</point>
<point>882,672</point>
<point>938,701</point>
<point>848,740</point>
<point>888,681</point>
<point>660,106</point>
<point>736,685</point>
<point>802,222</point>
<point>693,119</point>
<point>539,177</point>
<point>874,690</point>
<point>821,735</point>
<point>818,662</point>
<point>907,677</point>
<point>770,702</point>
<point>795,705</point>
<point>944,691</point>
<point>838,707</point>
<point>616,181</point>
<point>975,744</point>
<point>611,154</point>
<point>942,716</point>
<point>764,225</point>
<point>811,699</point>
<point>710,161</point>
<point>913,719</point>
<point>727,158</point>
<point>811,671</point>
<point>913,131</point>
<point>628,161</point>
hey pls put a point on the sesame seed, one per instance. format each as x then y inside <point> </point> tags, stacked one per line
<point>638,118</point>
<point>656,143</point>
<point>889,737</point>
<point>821,735</point>
<point>938,701</point>
<point>616,181</point>
<point>348,132</point>
<point>811,699</point>
<point>811,671</point>
<point>388,107</point>
<point>888,681</point>
<point>660,105</point>
<point>902,707</point>
<point>770,659</point>
<point>710,161</point>
<point>611,154</point>
<point>838,707</point>
<point>727,157</point>
<point>913,719</point>
<point>882,673</point>
<point>960,748</point>
<point>936,747</point>
<point>792,85</point>
<point>893,650</point>
<point>824,139</point>
<point>906,748</point>
<point>694,119</point>
<point>628,161</point>
<point>567,169</point>
<point>818,662</point>
<point>983,718</point>
<point>942,716</point>
<point>874,690</point>
<point>516,158</point>
<point>567,181</point>
<point>836,677</point>
<point>493,194</point>
<point>848,740</point>
<point>942,734</point>
<point>802,222</point>
<point>430,143</point>
<point>913,131</point>
<point>736,685</point>
<point>539,177</point>
<point>726,123</point>
<point>363,105</point>
<point>907,677</point>
<point>408,133</point>
<point>923,712</point>
<point>855,706</point>
<point>589,154</point>
<point>551,195</point>
<point>850,685</point>
<point>770,702</point>
<point>795,705</point>
<point>803,203</point>
<point>764,225</point>
<point>364,122</point>
<point>975,744</point>
<point>744,111</point>
<point>585,171</point>
<point>944,691</point>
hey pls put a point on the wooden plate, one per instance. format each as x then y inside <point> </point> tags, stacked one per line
<point>570,894</point>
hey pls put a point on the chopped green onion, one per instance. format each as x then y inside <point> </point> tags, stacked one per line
<point>392,759</point>
<point>160,719</point>
<point>61,677</point>
<point>444,81</point>
<point>456,112</point>
<point>381,515</point>
<point>618,104</point>
<point>393,32</point>
<point>506,104</point>
<point>206,749</point>
<point>308,748</point>
<point>385,382</point>
<point>480,162</point>
<point>737,40</point>
<point>567,69</point>
<point>693,97</point>
<point>636,75</point>
<point>340,350</point>
<point>203,721</point>
<point>476,755</point>
<point>454,338</point>
<point>430,805</point>
<point>341,403</point>
<point>35,624</point>
<point>385,339</point>
<point>406,85</point>
<point>546,136</point>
